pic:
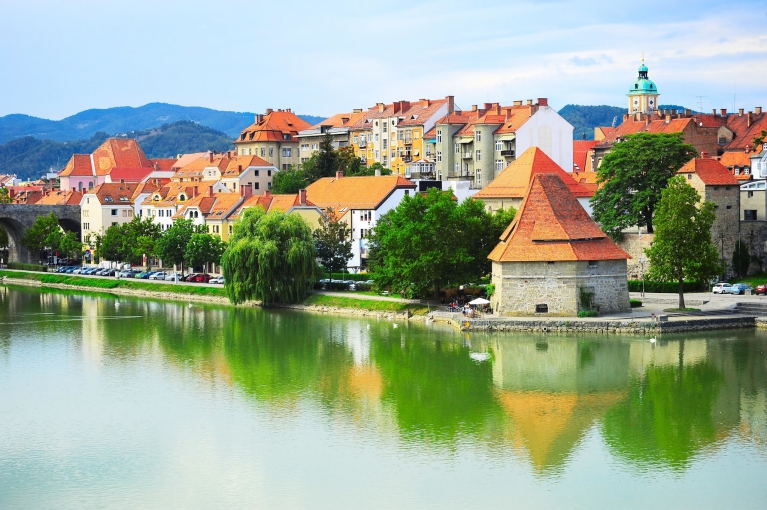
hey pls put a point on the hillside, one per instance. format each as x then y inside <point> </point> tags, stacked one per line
<point>29,157</point>
<point>586,118</point>
<point>120,120</point>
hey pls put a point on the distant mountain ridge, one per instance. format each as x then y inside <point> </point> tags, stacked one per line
<point>123,119</point>
<point>585,118</point>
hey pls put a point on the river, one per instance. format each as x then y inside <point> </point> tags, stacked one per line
<point>127,403</point>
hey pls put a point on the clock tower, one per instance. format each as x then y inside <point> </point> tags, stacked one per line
<point>643,95</point>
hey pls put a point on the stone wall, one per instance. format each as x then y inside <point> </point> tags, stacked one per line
<point>634,244</point>
<point>522,288</point>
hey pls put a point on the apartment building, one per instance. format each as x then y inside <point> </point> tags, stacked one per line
<point>337,126</point>
<point>104,206</point>
<point>273,137</point>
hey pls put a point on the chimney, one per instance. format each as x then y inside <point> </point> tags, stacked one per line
<point>267,193</point>
<point>529,102</point>
<point>687,111</point>
<point>488,106</point>
<point>381,107</point>
<point>239,168</point>
<point>210,157</point>
<point>758,110</point>
<point>750,119</point>
<point>357,110</point>
<point>302,197</point>
<point>378,172</point>
<point>156,166</point>
<point>517,103</point>
<point>674,111</point>
<point>339,174</point>
<point>543,101</point>
<point>246,190</point>
<point>713,112</point>
<point>704,155</point>
<point>740,112</point>
<point>474,108</point>
<point>194,191</point>
<point>723,111</point>
<point>210,191</point>
<point>122,181</point>
<point>450,104</point>
<point>269,111</point>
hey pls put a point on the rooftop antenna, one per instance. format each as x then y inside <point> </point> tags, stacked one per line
<point>615,119</point>
<point>700,103</point>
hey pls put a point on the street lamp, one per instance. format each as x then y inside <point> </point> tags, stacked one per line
<point>642,260</point>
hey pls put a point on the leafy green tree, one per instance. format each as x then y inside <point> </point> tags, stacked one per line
<point>741,259</point>
<point>333,241</point>
<point>113,244</point>
<point>140,238</point>
<point>70,245</point>
<point>429,241</point>
<point>171,246</point>
<point>326,161</point>
<point>759,140</point>
<point>270,258</point>
<point>5,196</point>
<point>3,238</point>
<point>632,177</point>
<point>370,170</point>
<point>682,248</point>
<point>204,249</point>
<point>289,182</point>
<point>37,236</point>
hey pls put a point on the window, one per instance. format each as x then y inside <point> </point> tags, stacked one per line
<point>114,212</point>
<point>457,148</point>
<point>593,264</point>
<point>478,173</point>
<point>87,213</point>
<point>750,194</point>
<point>114,223</point>
<point>271,152</point>
<point>315,146</point>
<point>439,136</point>
<point>255,172</point>
<point>356,139</point>
<point>263,152</point>
<point>384,127</point>
<point>689,177</point>
<point>499,164</point>
<point>478,155</point>
<point>542,308</point>
<point>407,192</point>
<point>250,152</point>
<point>478,136</point>
<point>457,167</point>
<point>258,185</point>
<point>242,151</point>
<point>377,154</point>
<point>268,173</point>
<point>384,144</point>
<point>439,156</point>
<point>286,152</point>
<point>304,146</point>
<point>376,137</point>
<point>749,214</point>
<point>498,145</point>
<point>729,207</point>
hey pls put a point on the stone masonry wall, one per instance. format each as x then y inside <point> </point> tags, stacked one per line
<point>607,280</point>
<point>631,244</point>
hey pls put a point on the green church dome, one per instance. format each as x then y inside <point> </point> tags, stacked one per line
<point>643,84</point>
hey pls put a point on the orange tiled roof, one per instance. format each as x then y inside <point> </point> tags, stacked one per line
<point>420,111</point>
<point>631,126</point>
<point>736,158</point>
<point>163,163</point>
<point>710,171</point>
<point>745,134</point>
<point>57,196</point>
<point>552,226</point>
<point>79,165</point>
<point>275,126</point>
<point>239,164</point>
<point>514,180</point>
<point>354,192</point>
<point>341,120</point>
<point>196,168</point>
<point>118,152</point>
<point>581,150</point>
<point>114,193</point>
<point>285,202</point>
<point>129,174</point>
<point>185,159</point>
<point>252,201</point>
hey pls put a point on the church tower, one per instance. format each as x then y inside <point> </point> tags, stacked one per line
<point>643,95</point>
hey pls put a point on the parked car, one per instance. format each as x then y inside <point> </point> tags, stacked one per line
<point>218,279</point>
<point>761,289</point>
<point>201,278</point>
<point>172,277</point>
<point>159,275</point>
<point>721,288</point>
<point>739,288</point>
<point>189,277</point>
<point>108,272</point>
<point>126,273</point>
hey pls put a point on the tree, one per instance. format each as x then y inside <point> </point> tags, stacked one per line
<point>113,244</point>
<point>632,177</point>
<point>36,237</point>
<point>204,249</point>
<point>70,245</point>
<point>325,162</point>
<point>741,259</point>
<point>682,248</point>
<point>3,237</point>
<point>289,182</point>
<point>333,242</point>
<point>429,241</point>
<point>270,258</point>
<point>5,196</point>
<point>140,238</point>
<point>171,246</point>
<point>370,170</point>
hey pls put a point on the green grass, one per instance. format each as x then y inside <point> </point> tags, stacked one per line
<point>107,283</point>
<point>588,313</point>
<point>682,310</point>
<point>753,280</point>
<point>365,304</point>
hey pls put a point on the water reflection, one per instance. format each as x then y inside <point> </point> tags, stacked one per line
<point>658,406</point>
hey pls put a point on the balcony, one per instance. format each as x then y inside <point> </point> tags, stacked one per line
<point>407,158</point>
<point>466,154</point>
<point>507,152</point>
<point>362,144</point>
<point>408,140</point>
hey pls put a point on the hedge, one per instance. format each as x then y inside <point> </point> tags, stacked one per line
<point>27,267</point>
<point>667,287</point>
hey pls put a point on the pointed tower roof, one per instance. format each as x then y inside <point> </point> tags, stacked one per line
<point>552,226</point>
<point>514,181</point>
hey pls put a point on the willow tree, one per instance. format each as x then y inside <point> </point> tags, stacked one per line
<point>270,258</point>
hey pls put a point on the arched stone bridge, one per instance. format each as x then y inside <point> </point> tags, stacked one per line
<point>17,218</point>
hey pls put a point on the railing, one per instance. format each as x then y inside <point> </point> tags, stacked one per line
<point>406,158</point>
<point>362,143</point>
<point>507,152</point>
<point>466,155</point>
<point>408,141</point>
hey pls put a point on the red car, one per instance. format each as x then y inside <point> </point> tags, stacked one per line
<point>200,278</point>
<point>761,289</point>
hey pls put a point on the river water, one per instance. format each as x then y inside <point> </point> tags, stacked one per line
<point>108,403</point>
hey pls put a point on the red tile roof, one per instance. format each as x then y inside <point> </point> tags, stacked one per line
<point>114,193</point>
<point>163,163</point>
<point>514,180</point>
<point>275,126</point>
<point>355,192</point>
<point>710,171</point>
<point>552,226</point>
<point>581,150</point>
<point>631,126</point>
<point>129,174</point>
<point>79,165</point>
<point>119,152</point>
<point>745,134</point>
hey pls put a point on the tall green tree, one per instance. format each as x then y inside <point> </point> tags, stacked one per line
<point>140,238</point>
<point>632,177</point>
<point>362,170</point>
<point>427,242</point>
<point>741,259</point>
<point>42,231</point>
<point>204,249</point>
<point>326,160</point>
<point>113,245</point>
<point>171,246</point>
<point>271,258</point>
<point>682,248</point>
<point>333,242</point>
<point>289,182</point>
<point>5,196</point>
<point>3,238</point>
<point>70,245</point>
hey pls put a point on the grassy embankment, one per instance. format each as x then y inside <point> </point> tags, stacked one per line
<point>112,283</point>
<point>365,304</point>
<point>753,280</point>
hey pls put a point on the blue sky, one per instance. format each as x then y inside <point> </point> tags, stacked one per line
<point>63,56</point>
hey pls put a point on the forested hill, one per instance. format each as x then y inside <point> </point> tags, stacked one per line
<point>586,118</point>
<point>120,120</point>
<point>30,158</point>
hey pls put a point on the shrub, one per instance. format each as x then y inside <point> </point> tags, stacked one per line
<point>667,287</point>
<point>588,313</point>
<point>363,286</point>
<point>635,303</point>
<point>27,267</point>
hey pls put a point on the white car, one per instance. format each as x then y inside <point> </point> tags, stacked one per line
<point>158,276</point>
<point>721,288</point>
<point>171,277</point>
<point>219,279</point>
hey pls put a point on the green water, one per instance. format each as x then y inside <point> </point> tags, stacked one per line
<point>147,404</point>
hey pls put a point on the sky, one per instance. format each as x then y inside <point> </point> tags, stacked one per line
<point>60,57</point>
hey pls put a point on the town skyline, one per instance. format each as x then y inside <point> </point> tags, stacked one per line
<point>577,54</point>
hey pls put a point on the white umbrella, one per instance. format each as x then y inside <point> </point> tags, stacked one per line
<point>479,301</point>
